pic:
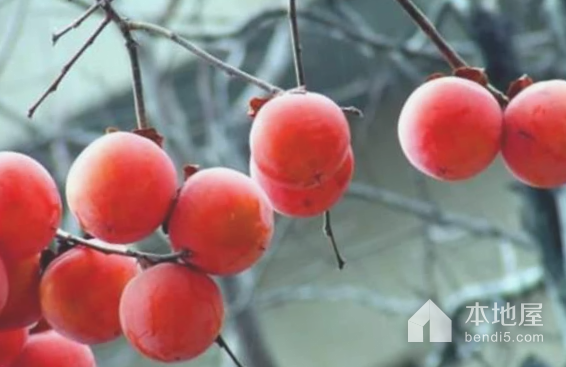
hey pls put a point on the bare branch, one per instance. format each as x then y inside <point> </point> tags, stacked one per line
<point>230,70</point>
<point>53,87</point>
<point>76,23</point>
<point>296,42</point>
<point>131,45</point>
<point>71,240</point>
<point>450,55</point>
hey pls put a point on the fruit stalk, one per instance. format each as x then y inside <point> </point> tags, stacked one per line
<point>132,47</point>
<point>296,42</point>
<point>450,55</point>
<point>72,240</point>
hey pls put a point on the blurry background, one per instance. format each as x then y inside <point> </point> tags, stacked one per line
<point>406,238</point>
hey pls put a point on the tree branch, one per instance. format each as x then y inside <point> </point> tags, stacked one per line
<point>53,87</point>
<point>72,240</point>
<point>449,54</point>
<point>199,52</point>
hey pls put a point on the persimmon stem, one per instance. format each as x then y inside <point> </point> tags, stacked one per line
<point>132,47</point>
<point>296,42</point>
<point>327,229</point>
<point>202,54</point>
<point>222,344</point>
<point>67,67</point>
<point>450,55</point>
<point>72,240</point>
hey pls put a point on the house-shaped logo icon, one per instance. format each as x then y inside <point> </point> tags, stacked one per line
<point>440,324</point>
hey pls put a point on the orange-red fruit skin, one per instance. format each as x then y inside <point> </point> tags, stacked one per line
<point>120,187</point>
<point>23,308</point>
<point>4,285</point>
<point>50,349</point>
<point>80,294</point>
<point>30,206</point>
<point>450,128</point>
<point>306,202</point>
<point>534,141</point>
<point>224,219</point>
<point>171,313</point>
<point>299,139</point>
<point>11,344</point>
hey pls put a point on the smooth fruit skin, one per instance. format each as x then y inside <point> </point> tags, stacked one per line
<point>534,141</point>
<point>80,294</point>
<point>299,139</point>
<point>11,344</point>
<point>30,206</point>
<point>23,308</point>
<point>120,187</point>
<point>306,202</point>
<point>50,349</point>
<point>171,313</point>
<point>4,285</point>
<point>224,219</point>
<point>450,128</point>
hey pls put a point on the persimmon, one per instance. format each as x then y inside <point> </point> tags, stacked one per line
<point>224,219</point>
<point>450,128</point>
<point>80,294</point>
<point>171,313</point>
<point>50,349</point>
<point>30,206</point>
<point>11,344</point>
<point>300,139</point>
<point>534,140</point>
<point>121,187</point>
<point>4,284</point>
<point>306,202</point>
<point>22,308</point>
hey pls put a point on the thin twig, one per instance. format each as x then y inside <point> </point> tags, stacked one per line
<point>222,344</point>
<point>132,47</point>
<point>354,111</point>
<point>296,42</point>
<point>450,55</point>
<point>120,250</point>
<point>199,52</point>
<point>327,229</point>
<point>53,87</point>
<point>76,23</point>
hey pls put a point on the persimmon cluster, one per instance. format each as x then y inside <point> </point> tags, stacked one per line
<point>121,189</point>
<point>452,128</point>
<point>56,299</point>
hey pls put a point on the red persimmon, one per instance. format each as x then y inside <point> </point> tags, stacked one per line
<point>80,294</point>
<point>300,139</point>
<point>23,308</point>
<point>120,187</point>
<point>4,284</point>
<point>11,344</point>
<point>171,313</point>
<point>450,128</point>
<point>534,140</point>
<point>30,207</point>
<point>306,202</point>
<point>224,219</point>
<point>50,349</point>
